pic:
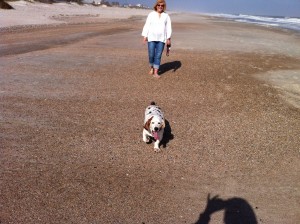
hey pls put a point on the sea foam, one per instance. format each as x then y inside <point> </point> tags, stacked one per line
<point>290,23</point>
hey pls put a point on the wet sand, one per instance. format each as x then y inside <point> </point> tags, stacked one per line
<point>72,106</point>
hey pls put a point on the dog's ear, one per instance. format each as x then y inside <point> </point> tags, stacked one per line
<point>147,125</point>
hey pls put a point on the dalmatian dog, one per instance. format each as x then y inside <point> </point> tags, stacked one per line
<point>154,125</point>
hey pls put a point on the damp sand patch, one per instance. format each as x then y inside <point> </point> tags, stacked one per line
<point>287,82</point>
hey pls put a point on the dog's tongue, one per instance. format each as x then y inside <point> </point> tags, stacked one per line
<point>155,135</point>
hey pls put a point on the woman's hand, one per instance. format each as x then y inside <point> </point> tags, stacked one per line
<point>169,41</point>
<point>145,39</point>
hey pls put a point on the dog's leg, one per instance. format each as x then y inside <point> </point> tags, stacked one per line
<point>156,146</point>
<point>145,136</point>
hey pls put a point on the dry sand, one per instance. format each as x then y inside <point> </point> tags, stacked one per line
<point>28,13</point>
<point>72,102</point>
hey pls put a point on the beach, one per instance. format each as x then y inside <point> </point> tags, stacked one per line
<point>74,85</point>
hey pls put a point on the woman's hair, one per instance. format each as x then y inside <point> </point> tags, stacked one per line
<point>160,2</point>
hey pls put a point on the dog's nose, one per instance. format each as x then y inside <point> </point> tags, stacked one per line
<point>156,129</point>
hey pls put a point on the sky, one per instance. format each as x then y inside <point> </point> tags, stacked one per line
<point>289,8</point>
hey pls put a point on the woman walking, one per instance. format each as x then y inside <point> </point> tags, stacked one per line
<point>157,32</point>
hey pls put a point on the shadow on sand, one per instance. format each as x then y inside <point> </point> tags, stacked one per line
<point>167,135</point>
<point>174,65</point>
<point>236,211</point>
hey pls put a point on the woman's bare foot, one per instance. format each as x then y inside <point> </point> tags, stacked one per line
<point>151,72</point>
<point>156,73</point>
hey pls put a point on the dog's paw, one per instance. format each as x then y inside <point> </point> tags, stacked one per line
<point>156,149</point>
<point>147,141</point>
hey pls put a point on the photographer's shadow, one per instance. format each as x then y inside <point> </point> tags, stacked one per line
<point>174,65</point>
<point>236,211</point>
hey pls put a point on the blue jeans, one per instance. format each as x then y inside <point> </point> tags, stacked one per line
<point>155,49</point>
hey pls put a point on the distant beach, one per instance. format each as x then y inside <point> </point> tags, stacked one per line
<point>36,13</point>
<point>74,85</point>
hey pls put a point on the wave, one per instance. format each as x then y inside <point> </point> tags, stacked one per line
<point>291,23</point>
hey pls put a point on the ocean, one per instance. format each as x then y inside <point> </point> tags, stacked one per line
<point>290,23</point>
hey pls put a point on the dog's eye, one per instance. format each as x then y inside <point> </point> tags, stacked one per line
<point>158,122</point>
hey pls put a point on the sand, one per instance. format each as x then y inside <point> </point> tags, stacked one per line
<point>28,13</point>
<point>73,96</point>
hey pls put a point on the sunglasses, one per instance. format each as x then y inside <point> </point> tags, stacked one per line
<point>161,5</point>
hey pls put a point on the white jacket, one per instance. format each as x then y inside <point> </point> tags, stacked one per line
<point>157,28</point>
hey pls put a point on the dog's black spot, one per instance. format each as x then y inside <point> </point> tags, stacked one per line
<point>4,5</point>
<point>168,136</point>
<point>150,140</point>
